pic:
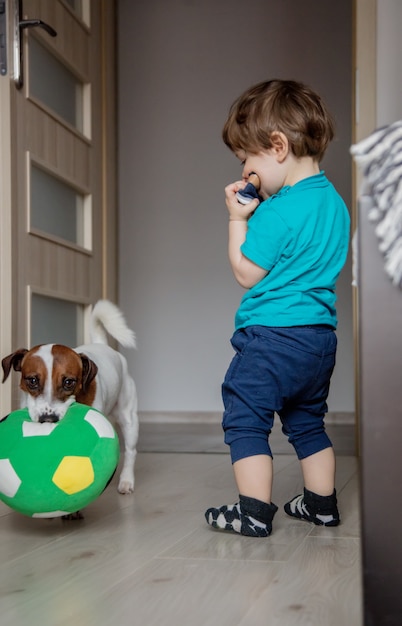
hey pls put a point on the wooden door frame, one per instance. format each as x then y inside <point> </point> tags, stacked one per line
<point>364,118</point>
<point>364,121</point>
<point>106,66</point>
<point>109,149</point>
<point>6,195</point>
<point>378,348</point>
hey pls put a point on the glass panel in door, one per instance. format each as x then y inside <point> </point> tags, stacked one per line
<point>52,83</point>
<point>56,208</point>
<point>54,320</point>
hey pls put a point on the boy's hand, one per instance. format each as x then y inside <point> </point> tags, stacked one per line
<point>246,272</point>
<point>237,211</point>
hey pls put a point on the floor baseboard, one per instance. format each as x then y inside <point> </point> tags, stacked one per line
<point>215,417</point>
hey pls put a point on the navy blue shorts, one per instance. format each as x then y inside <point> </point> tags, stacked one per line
<point>278,370</point>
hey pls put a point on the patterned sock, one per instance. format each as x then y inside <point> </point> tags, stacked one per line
<point>249,517</point>
<point>309,506</point>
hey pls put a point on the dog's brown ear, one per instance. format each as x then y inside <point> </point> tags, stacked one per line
<point>13,361</point>
<point>89,371</point>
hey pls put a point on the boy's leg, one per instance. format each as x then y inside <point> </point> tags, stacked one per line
<point>303,423</point>
<point>319,472</point>
<point>254,477</point>
<point>247,427</point>
<point>254,512</point>
<point>318,502</point>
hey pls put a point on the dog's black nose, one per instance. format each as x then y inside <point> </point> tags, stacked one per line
<point>51,417</point>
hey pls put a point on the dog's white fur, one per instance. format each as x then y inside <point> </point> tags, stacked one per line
<point>115,395</point>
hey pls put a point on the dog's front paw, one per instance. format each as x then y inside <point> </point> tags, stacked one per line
<point>125,485</point>
<point>73,516</point>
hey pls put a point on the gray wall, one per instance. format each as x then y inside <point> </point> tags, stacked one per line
<point>181,64</point>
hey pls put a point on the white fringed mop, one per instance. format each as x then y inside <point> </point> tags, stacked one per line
<point>379,156</point>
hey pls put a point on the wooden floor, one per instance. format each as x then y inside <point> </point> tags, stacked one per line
<point>150,559</point>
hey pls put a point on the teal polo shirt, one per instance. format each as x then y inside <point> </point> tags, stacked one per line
<point>301,237</point>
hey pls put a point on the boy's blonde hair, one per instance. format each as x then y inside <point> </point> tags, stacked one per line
<point>284,106</point>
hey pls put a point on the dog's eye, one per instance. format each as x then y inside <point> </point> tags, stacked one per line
<point>69,383</point>
<point>32,382</point>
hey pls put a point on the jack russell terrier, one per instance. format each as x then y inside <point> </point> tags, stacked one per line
<point>54,376</point>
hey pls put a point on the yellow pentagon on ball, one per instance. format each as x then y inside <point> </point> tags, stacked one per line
<point>74,474</point>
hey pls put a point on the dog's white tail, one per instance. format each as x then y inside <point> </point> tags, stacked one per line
<point>106,317</point>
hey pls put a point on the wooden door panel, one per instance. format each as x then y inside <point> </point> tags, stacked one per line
<point>73,41</point>
<point>45,275</point>
<point>58,148</point>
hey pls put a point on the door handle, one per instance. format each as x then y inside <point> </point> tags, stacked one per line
<point>19,26</point>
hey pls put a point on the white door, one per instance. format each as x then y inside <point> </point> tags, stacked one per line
<point>56,144</point>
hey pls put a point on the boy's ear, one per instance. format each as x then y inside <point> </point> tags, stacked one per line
<point>280,145</point>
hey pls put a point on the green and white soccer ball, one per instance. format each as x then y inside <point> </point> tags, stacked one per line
<point>49,470</point>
